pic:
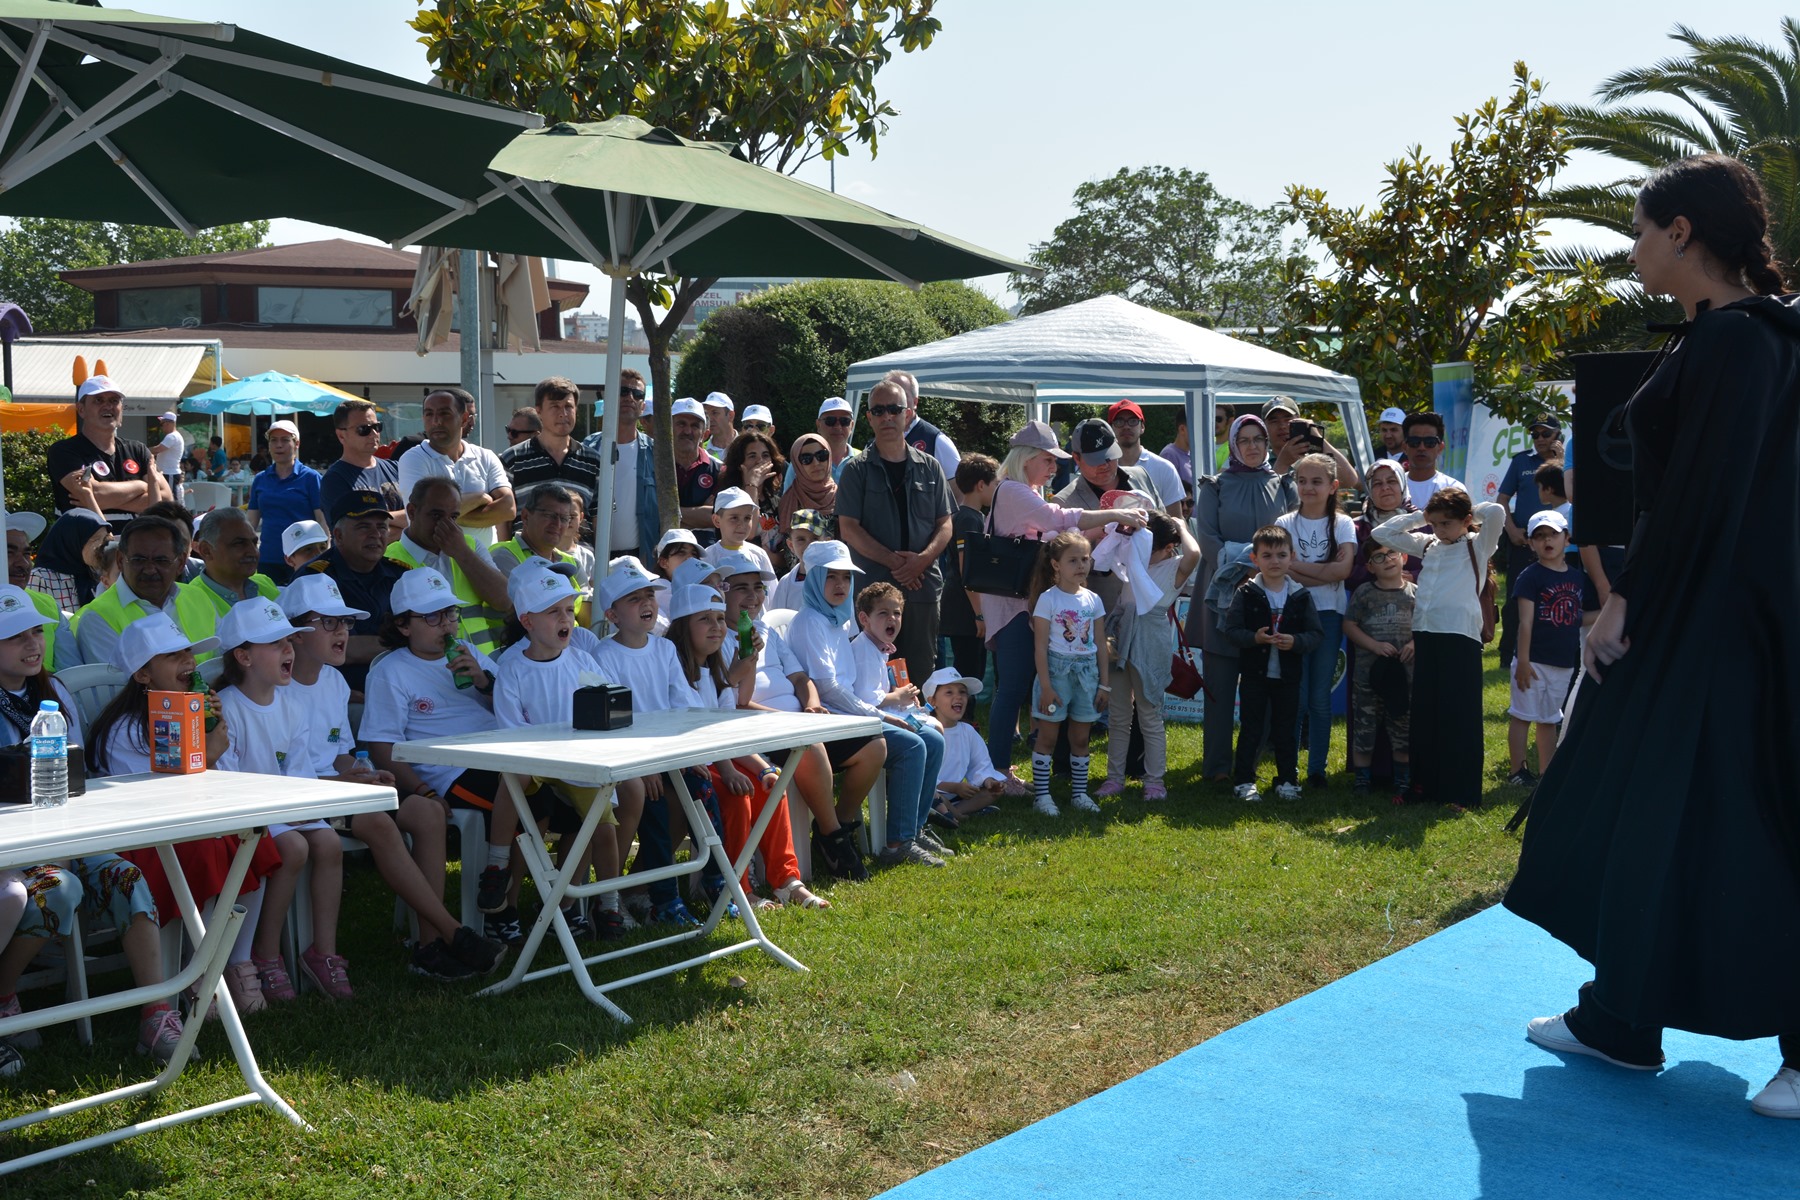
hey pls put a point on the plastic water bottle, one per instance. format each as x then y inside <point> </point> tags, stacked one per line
<point>49,757</point>
<point>364,764</point>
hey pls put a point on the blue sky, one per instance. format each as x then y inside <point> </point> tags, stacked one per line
<point>1018,101</point>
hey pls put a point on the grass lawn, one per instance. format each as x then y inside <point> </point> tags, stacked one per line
<point>1051,959</point>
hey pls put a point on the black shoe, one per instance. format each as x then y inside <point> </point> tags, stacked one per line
<point>1523,777</point>
<point>11,1061</point>
<point>490,891</point>
<point>1315,782</point>
<point>504,926</point>
<point>479,954</point>
<point>434,960</point>
<point>577,921</point>
<point>944,818</point>
<point>610,925</point>
<point>839,854</point>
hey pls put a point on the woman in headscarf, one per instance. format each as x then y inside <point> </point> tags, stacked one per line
<point>1387,498</point>
<point>813,486</point>
<point>68,563</point>
<point>1228,510</point>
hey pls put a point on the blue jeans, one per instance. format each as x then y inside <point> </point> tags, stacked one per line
<point>913,760</point>
<point>1316,671</point>
<point>1015,672</point>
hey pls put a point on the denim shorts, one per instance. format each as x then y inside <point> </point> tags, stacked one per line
<point>1076,678</point>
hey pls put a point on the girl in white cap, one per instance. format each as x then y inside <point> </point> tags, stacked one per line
<point>269,736</point>
<point>319,695</point>
<point>967,782</point>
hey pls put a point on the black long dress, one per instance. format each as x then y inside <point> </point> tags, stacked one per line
<point>1664,844</point>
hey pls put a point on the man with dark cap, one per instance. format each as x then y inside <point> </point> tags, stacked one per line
<point>356,562</point>
<point>1097,472</point>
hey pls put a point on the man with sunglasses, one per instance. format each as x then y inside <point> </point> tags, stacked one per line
<point>365,577</point>
<point>1518,495</point>
<point>1424,446</point>
<point>835,421</point>
<point>636,522</point>
<point>358,469</point>
<point>524,423</point>
<point>922,434</point>
<point>551,454</point>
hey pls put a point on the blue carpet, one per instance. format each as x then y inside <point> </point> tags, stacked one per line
<point>1409,1078</point>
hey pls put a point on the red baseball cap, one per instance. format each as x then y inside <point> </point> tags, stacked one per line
<point>1124,406</point>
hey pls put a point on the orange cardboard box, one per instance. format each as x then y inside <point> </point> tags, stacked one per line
<point>177,732</point>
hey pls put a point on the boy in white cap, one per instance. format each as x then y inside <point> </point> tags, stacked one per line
<point>737,517</point>
<point>720,411</point>
<point>1556,602</point>
<point>967,782</point>
<point>302,542</point>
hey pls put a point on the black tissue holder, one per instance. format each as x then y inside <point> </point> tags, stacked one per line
<point>15,773</point>
<point>602,707</point>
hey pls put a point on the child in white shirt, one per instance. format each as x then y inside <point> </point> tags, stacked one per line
<point>737,518</point>
<point>1071,672</point>
<point>967,781</point>
<point>879,611</point>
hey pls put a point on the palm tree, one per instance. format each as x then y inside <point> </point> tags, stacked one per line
<point>1732,95</point>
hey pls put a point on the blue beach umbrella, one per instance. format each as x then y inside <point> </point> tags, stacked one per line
<point>270,393</point>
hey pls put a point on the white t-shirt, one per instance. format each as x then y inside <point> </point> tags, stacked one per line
<point>1422,493</point>
<point>709,694</point>
<point>1277,605</point>
<point>774,666</point>
<point>169,452</point>
<point>1312,544</point>
<point>529,692</point>
<point>324,706</point>
<point>823,649</point>
<point>790,592</point>
<point>1074,620</point>
<point>126,753</point>
<point>475,471</point>
<point>624,510</point>
<point>965,756</point>
<point>874,678</point>
<point>653,674</point>
<point>266,739</point>
<point>716,551</point>
<point>1163,477</point>
<point>407,698</point>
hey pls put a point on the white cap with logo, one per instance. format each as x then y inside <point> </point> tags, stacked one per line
<point>257,621</point>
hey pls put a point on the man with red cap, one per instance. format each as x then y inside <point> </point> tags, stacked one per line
<point>1127,421</point>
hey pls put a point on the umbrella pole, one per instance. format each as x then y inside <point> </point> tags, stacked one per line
<point>609,431</point>
<point>468,320</point>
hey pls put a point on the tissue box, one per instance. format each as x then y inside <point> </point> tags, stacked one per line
<point>15,773</point>
<point>602,707</point>
<point>177,733</point>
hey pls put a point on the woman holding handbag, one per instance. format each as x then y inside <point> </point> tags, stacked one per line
<point>1020,511</point>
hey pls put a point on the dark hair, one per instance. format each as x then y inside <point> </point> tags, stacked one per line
<point>632,375</point>
<point>872,594</point>
<point>1454,503</point>
<point>345,410</point>
<point>1043,576</point>
<point>427,485</point>
<point>1273,536</point>
<point>556,493</point>
<point>217,441</point>
<point>1550,475</point>
<point>464,401</point>
<point>131,702</point>
<point>975,470</point>
<point>390,634</point>
<point>555,386</point>
<point>1164,530</point>
<point>1435,420</point>
<point>1726,210</point>
<point>1372,547</point>
<point>531,415</point>
<point>170,510</point>
<point>148,523</point>
<point>684,650</point>
<point>732,474</point>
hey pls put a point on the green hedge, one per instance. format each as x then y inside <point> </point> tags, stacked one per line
<point>27,478</point>
<point>791,347</point>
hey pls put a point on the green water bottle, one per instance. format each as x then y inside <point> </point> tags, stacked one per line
<point>462,681</point>
<point>746,646</point>
<point>198,684</point>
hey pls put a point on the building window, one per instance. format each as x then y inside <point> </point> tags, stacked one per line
<point>154,308</point>
<point>368,307</point>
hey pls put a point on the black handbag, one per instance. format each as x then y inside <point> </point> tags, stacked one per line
<point>994,565</point>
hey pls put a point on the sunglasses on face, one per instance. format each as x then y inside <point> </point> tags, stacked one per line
<point>516,434</point>
<point>886,410</point>
<point>366,429</point>
<point>807,458</point>
<point>838,421</point>
<point>1425,443</point>
<point>756,427</point>
<point>633,393</point>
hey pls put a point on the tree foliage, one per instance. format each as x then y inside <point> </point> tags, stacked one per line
<point>25,452</point>
<point>786,81</point>
<point>1445,268</point>
<point>1166,238</point>
<point>36,248</point>
<point>791,347</point>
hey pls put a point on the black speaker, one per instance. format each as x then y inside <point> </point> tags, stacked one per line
<point>1603,383</point>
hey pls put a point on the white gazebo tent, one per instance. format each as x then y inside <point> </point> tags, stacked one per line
<point>1103,349</point>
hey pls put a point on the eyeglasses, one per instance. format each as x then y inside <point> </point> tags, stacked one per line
<point>516,434</point>
<point>837,421</point>
<point>366,429</point>
<point>634,393</point>
<point>886,410</point>
<point>441,617</point>
<point>161,562</point>
<point>328,624</point>
<point>1427,443</point>
<point>807,458</point>
<point>1127,419</point>
<point>552,518</point>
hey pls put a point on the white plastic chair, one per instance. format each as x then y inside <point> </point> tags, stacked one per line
<point>204,496</point>
<point>91,685</point>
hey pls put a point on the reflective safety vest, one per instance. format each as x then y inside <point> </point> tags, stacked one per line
<point>48,606</point>
<point>198,622</point>
<point>475,626</point>
<point>520,552</point>
<point>198,606</point>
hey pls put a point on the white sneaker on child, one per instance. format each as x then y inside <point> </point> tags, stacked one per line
<point>1084,802</point>
<point>1287,791</point>
<point>1047,806</point>
<point>1247,793</point>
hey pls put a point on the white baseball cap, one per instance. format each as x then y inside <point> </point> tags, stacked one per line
<point>1548,519</point>
<point>688,406</point>
<point>694,571</point>
<point>628,575</point>
<point>151,635</point>
<point>835,404</point>
<point>287,427</point>
<point>1391,416</point>
<point>259,621</point>
<point>303,533</point>
<point>732,498</point>
<point>736,562</point>
<point>758,412</point>
<point>534,587</point>
<point>97,385</point>
<point>316,592</point>
<point>674,537</point>
<point>827,555</point>
<point>168,416</point>
<point>693,599</point>
<point>29,523</point>
<point>719,400</point>
<point>18,613</point>
<point>950,675</point>
<point>422,590</point>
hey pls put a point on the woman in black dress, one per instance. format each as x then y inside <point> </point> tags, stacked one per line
<point>1664,843</point>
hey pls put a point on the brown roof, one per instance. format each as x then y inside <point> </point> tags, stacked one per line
<point>281,337</point>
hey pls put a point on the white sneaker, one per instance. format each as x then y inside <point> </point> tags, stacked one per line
<point>1287,791</point>
<point>1047,806</point>
<point>1247,793</point>
<point>1084,802</point>
<point>1552,1033</point>
<point>1780,1097</point>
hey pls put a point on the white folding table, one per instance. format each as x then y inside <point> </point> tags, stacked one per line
<point>653,744</point>
<point>131,811</point>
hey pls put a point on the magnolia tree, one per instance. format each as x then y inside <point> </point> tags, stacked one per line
<point>786,81</point>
